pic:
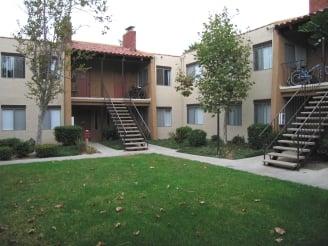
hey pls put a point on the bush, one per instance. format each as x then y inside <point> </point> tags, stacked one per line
<point>46,150</point>
<point>10,142</point>
<point>238,140</point>
<point>197,138</point>
<point>182,133</point>
<point>23,149</point>
<point>214,139</point>
<point>110,133</point>
<point>68,135</point>
<point>31,143</point>
<point>255,140</point>
<point>323,145</point>
<point>6,153</point>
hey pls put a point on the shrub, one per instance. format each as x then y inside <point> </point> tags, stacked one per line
<point>182,133</point>
<point>323,145</point>
<point>110,133</point>
<point>6,153</point>
<point>46,150</point>
<point>10,142</point>
<point>255,140</point>
<point>197,137</point>
<point>238,140</point>
<point>68,135</point>
<point>214,139</point>
<point>23,149</point>
<point>31,143</point>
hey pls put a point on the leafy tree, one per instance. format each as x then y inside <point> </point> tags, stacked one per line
<point>184,83</point>
<point>44,41</point>
<point>224,55</point>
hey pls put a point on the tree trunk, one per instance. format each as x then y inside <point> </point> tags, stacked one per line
<point>218,132</point>
<point>225,126</point>
<point>40,121</point>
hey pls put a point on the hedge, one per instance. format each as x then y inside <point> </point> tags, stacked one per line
<point>6,153</point>
<point>197,137</point>
<point>46,150</point>
<point>68,135</point>
<point>255,140</point>
<point>182,133</point>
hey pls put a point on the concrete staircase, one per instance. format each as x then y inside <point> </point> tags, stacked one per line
<point>301,136</point>
<point>127,127</point>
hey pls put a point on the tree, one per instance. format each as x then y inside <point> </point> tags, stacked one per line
<point>184,83</point>
<point>45,40</point>
<point>224,55</point>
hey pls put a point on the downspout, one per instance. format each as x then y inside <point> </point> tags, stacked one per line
<point>102,75</point>
<point>123,76</point>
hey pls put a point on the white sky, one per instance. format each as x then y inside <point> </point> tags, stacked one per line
<point>168,26</point>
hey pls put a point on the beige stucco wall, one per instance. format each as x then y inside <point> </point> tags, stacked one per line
<point>167,96</point>
<point>14,91</point>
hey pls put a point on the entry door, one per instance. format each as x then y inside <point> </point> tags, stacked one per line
<point>83,84</point>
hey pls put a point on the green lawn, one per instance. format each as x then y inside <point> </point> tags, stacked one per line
<point>169,201</point>
<point>228,151</point>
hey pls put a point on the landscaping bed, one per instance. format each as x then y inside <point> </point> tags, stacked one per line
<point>155,200</point>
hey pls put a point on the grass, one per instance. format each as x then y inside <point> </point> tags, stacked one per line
<point>169,201</point>
<point>68,150</point>
<point>114,144</point>
<point>229,151</point>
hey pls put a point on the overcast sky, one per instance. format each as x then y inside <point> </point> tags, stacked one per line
<point>168,26</point>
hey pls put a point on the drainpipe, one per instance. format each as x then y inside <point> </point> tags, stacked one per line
<point>102,75</point>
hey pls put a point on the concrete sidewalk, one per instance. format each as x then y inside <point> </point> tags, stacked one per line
<point>317,178</point>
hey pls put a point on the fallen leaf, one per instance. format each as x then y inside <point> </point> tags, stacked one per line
<point>279,230</point>
<point>182,204</point>
<point>20,181</point>
<point>136,183</point>
<point>54,228</point>
<point>257,200</point>
<point>168,186</point>
<point>3,228</point>
<point>102,211</point>
<point>279,239</point>
<point>31,231</point>
<point>151,167</point>
<point>157,216</point>
<point>117,225</point>
<point>243,210</point>
<point>202,202</point>
<point>28,200</point>
<point>59,205</point>
<point>32,207</point>
<point>31,220</point>
<point>162,210</point>
<point>84,185</point>
<point>119,209</point>
<point>100,243</point>
<point>136,233</point>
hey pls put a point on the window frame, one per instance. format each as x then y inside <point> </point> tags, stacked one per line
<point>163,69</point>
<point>262,101</point>
<point>14,55</point>
<point>51,108</point>
<point>235,122</point>
<point>13,108</point>
<point>256,47</point>
<point>171,120</point>
<point>195,107</point>
<point>195,75</point>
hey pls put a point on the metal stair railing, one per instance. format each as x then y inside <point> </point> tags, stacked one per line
<point>322,119</point>
<point>142,127</point>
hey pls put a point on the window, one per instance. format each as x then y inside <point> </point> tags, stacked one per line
<point>13,118</point>
<point>290,56</point>
<point>234,116</point>
<point>164,117</point>
<point>163,76</point>
<point>263,56</point>
<point>143,77</point>
<point>195,115</point>
<point>51,118</point>
<point>262,111</point>
<point>194,70</point>
<point>12,66</point>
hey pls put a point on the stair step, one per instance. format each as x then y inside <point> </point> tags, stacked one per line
<point>296,142</point>
<point>140,143</point>
<point>118,110</point>
<point>284,164</point>
<point>309,123</point>
<point>136,148</point>
<point>321,92</point>
<point>128,127</point>
<point>312,107</point>
<point>284,155</point>
<point>132,135</point>
<point>128,138</point>
<point>290,149</point>
<point>315,112</point>
<point>126,123</point>
<point>312,118</point>
<point>122,117</point>
<point>305,130</point>
<point>128,131</point>
<point>318,97</point>
<point>300,136</point>
<point>318,102</point>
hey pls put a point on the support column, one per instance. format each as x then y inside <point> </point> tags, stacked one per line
<point>67,90</point>
<point>152,94</point>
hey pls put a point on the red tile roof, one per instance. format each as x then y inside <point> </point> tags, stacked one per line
<point>108,49</point>
<point>296,20</point>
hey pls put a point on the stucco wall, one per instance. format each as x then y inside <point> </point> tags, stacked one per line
<point>14,91</point>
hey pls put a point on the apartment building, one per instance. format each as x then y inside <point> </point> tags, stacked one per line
<point>135,91</point>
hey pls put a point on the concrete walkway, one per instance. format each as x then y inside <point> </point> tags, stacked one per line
<point>314,175</point>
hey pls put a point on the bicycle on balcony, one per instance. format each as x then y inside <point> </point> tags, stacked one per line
<point>304,76</point>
